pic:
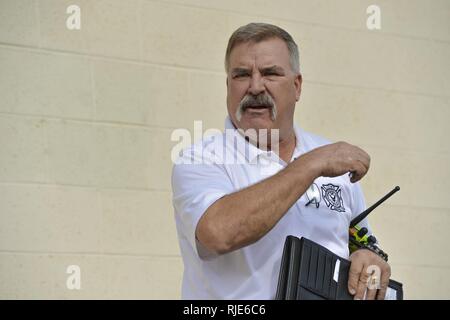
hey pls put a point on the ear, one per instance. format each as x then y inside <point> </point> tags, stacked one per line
<point>298,86</point>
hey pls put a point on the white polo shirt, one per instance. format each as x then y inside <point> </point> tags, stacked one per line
<point>204,174</point>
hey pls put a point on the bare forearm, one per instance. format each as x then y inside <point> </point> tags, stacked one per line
<point>243,217</point>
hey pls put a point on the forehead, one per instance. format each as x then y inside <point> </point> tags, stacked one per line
<point>266,52</point>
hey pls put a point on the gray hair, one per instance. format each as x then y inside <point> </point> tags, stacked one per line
<point>256,32</point>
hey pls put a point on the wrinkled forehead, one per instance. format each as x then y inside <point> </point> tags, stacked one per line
<point>273,51</point>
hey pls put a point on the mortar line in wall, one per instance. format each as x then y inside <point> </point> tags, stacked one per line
<point>313,24</point>
<point>49,175</point>
<point>444,210</point>
<point>399,92</point>
<point>400,148</point>
<point>416,207</point>
<point>420,265</point>
<point>201,70</point>
<point>88,121</point>
<point>93,88</point>
<point>38,22</point>
<point>102,212</point>
<point>108,123</point>
<point>93,254</point>
<point>131,189</point>
<point>140,29</point>
<point>95,56</point>
<point>170,256</point>
<point>99,188</point>
<point>167,128</point>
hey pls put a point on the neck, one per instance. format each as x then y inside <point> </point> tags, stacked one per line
<point>287,147</point>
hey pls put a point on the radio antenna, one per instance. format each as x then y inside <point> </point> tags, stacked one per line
<point>366,212</point>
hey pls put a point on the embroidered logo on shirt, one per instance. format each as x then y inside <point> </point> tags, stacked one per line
<point>313,195</point>
<point>332,196</point>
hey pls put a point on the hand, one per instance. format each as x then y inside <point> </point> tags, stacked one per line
<point>339,158</point>
<point>363,263</point>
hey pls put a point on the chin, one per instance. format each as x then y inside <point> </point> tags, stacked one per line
<point>257,123</point>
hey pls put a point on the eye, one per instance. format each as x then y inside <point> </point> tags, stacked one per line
<point>271,73</point>
<point>240,75</point>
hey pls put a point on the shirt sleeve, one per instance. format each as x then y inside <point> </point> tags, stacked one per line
<point>195,188</point>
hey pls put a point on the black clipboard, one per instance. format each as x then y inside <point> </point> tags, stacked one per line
<point>310,271</point>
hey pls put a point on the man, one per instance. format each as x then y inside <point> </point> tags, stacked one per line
<point>233,217</point>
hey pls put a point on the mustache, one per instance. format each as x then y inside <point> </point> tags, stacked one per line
<point>262,100</point>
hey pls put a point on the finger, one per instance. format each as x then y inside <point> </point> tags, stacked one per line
<point>356,268</point>
<point>364,157</point>
<point>358,171</point>
<point>362,286</point>
<point>371,294</point>
<point>383,285</point>
<point>371,290</point>
<point>365,160</point>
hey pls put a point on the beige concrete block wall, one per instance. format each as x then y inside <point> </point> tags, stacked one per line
<point>86,118</point>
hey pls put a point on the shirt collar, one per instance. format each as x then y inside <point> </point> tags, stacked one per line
<point>251,152</point>
<point>299,143</point>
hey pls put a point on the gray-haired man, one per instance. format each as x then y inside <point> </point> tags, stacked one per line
<point>232,219</point>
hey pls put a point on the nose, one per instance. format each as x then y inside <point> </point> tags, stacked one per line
<point>256,84</point>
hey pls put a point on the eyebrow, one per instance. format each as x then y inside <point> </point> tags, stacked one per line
<point>240,71</point>
<point>271,69</point>
<point>274,68</point>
